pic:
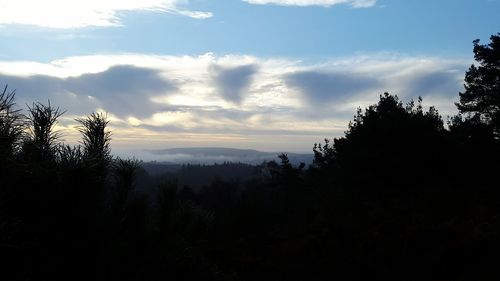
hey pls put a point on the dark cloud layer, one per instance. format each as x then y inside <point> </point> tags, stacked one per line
<point>123,90</point>
<point>233,82</point>
<point>322,88</point>
<point>435,83</point>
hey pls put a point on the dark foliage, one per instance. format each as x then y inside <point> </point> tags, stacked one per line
<point>11,124</point>
<point>95,137</point>
<point>482,84</point>
<point>42,140</point>
<point>389,138</point>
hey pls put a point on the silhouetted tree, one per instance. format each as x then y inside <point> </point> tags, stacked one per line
<point>42,144</point>
<point>388,144</point>
<point>475,131</point>
<point>287,172</point>
<point>324,155</point>
<point>482,84</point>
<point>95,137</point>
<point>11,124</point>
<point>95,142</point>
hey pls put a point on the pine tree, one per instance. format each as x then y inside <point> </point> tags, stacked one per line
<point>481,97</point>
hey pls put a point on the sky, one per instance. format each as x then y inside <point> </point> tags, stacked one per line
<point>272,75</point>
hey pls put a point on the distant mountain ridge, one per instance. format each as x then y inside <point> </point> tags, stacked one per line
<point>211,155</point>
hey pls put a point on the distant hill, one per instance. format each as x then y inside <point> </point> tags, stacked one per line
<point>211,155</point>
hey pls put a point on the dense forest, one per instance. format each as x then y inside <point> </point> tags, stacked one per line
<point>403,195</point>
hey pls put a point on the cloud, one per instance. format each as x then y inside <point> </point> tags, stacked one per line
<point>232,82</point>
<point>436,83</point>
<point>123,90</point>
<point>233,100</point>
<point>324,3</point>
<point>83,13</point>
<point>322,88</point>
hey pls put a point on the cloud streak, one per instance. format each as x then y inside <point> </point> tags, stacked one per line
<point>84,13</point>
